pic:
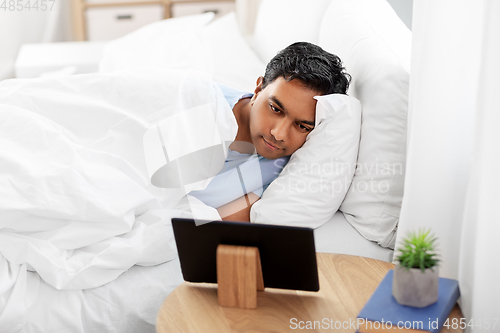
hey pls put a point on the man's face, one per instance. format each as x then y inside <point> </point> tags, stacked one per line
<point>281,116</point>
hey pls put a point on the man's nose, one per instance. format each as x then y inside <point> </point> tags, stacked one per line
<point>280,130</point>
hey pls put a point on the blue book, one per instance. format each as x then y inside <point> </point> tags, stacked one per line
<point>383,311</point>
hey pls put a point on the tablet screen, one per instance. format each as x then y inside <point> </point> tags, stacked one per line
<point>287,254</point>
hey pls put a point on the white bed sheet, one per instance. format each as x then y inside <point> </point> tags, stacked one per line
<point>77,206</point>
<point>129,304</point>
<point>339,236</point>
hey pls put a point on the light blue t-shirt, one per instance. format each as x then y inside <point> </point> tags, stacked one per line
<point>241,173</point>
<point>232,95</point>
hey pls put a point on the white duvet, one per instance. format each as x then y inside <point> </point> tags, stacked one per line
<point>76,202</point>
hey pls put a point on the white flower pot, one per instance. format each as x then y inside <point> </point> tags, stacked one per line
<point>414,288</point>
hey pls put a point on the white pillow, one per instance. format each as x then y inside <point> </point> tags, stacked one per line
<point>190,42</point>
<point>375,46</point>
<point>232,60</point>
<point>280,23</point>
<point>313,184</point>
<point>167,44</point>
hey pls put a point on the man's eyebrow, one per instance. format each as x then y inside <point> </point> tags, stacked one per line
<point>277,101</point>
<point>307,122</point>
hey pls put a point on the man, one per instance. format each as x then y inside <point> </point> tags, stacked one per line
<point>274,122</point>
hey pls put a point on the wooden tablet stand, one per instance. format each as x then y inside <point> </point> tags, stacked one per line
<point>239,276</point>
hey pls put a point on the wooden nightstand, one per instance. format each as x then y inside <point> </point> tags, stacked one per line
<point>346,283</point>
<point>100,20</point>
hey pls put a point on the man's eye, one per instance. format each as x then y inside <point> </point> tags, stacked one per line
<point>304,128</point>
<point>275,109</point>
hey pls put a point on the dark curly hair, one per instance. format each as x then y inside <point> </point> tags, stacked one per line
<point>318,69</point>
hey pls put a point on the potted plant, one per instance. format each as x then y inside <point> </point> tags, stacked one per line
<point>416,274</point>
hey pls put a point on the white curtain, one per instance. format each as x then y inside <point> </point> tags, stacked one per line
<point>18,26</point>
<point>453,167</point>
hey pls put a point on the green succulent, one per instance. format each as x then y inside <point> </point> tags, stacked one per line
<point>418,250</point>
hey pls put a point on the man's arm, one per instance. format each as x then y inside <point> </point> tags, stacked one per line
<point>239,209</point>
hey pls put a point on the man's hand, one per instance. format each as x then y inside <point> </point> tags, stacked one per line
<point>239,209</point>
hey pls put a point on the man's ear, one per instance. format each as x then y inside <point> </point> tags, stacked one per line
<point>258,89</point>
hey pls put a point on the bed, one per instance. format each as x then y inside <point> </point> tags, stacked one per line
<point>138,266</point>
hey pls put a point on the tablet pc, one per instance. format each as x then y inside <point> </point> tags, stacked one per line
<point>287,254</point>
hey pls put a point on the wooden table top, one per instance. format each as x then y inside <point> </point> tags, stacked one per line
<point>346,284</point>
